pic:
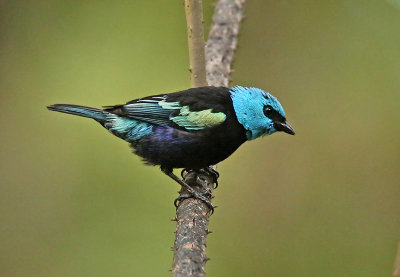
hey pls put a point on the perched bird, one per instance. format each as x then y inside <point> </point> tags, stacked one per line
<point>190,129</point>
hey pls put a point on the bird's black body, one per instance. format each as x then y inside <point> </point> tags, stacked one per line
<point>177,147</point>
<point>206,147</point>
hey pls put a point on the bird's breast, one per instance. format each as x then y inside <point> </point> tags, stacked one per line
<point>178,148</point>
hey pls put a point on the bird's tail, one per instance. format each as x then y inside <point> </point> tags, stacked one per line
<point>97,114</point>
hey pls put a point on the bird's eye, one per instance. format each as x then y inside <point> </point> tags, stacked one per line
<point>268,111</point>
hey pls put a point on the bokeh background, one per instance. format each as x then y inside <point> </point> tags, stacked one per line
<point>74,201</point>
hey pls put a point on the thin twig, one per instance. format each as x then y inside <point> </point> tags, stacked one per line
<point>195,33</point>
<point>193,215</point>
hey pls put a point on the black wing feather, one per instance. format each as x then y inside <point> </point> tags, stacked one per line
<point>158,109</point>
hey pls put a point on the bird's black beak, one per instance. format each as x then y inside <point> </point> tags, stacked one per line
<point>284,127</point>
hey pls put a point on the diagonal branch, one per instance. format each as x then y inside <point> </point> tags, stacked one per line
<point>193,215</point>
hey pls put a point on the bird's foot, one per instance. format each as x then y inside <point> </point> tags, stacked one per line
<point>211,171</point>
<point>203,197</point>
<point>207,171</point>
<point>191,193</point>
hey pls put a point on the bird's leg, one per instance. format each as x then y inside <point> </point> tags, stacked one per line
<point>191,192</point>
<point>211,171</point>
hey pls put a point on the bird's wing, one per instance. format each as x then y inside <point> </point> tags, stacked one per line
<point>188,110</point>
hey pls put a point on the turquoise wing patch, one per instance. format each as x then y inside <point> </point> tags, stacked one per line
<point>130,129</point>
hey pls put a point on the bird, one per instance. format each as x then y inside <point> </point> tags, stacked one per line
<point>191,129</point>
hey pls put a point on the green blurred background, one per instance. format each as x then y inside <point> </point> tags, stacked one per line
<point>74,201</point>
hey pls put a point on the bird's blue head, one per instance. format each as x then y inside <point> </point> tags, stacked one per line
<point>259,112</point>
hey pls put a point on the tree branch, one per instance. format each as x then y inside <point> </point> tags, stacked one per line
<point>193,215</point>
<point>191,233</point>
<point>222,41</point>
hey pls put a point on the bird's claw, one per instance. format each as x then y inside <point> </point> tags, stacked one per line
<point>201,181</point>
<point>191,193</point>
<point>196,195</point>
<point>184,172</point>
<point>211,171</point>
<point>208,171</point>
